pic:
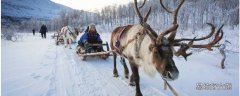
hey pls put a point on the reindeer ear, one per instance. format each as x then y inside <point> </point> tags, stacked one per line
<point>172,36</point>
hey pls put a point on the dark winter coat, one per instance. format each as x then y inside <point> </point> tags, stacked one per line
<point>90,38</point>
<point>43,29</point>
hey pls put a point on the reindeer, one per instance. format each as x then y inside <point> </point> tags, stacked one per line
<point>142,46</point>
<point>69,35</point>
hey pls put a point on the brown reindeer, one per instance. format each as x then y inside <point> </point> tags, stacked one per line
<point>142,46</point>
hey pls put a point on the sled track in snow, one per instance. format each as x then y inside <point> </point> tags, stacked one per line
<point>70,76</point>
<point>94,77</point>
<point>100,84</point>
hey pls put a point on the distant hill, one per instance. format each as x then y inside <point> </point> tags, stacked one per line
<point>18,10</point>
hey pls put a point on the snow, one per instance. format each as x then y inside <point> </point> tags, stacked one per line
<point>37,67</point>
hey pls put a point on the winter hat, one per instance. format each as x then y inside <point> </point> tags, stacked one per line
<point>92,26</point>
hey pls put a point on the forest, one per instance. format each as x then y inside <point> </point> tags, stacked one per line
<point>192,16</point>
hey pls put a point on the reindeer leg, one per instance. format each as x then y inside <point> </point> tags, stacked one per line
<point>132,80</point>
<point>115,72</point>
<point>65,41</point>
<point>78,49</point>
<point>70,43</point>
<point>126,72</point>
<point>137,79</point>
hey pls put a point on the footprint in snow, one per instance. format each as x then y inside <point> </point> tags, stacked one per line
<point>46,77</point>
<point>45,64</point>
<point>35,76</point>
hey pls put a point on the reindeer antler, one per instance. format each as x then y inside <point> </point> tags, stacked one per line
<point>217,38</point>
<point>174,26</point>
<point>183,46</point>
<point>142,4</point>
<point>141,18</point>
<point>174,12</point>
<point>198,39</point>
<point>178,42</point>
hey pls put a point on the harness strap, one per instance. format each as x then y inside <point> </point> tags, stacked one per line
<point>170,87</point>
<point>139,37</point>
<point>121,33</point>
<point>71,33</point>
<point>69,30</point>
<point>124,46</point>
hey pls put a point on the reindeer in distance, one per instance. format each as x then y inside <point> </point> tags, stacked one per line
<point>67,35</point>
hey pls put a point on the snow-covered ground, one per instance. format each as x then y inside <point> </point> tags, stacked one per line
<point>37,67</point>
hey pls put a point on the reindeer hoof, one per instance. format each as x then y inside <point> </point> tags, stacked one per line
<point>138,94</point>
<point>115,75</point>
<point>126,76</point>
<point>126,73</point>
<point>132,84</point>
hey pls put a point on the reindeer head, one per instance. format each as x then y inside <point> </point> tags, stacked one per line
<point>163,59</point>
<point>162,47</point>
<point>77,31</point>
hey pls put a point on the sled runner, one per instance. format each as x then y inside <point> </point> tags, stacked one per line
<point>91,50</point>
<point>59,39</point>
<point>55,35</point>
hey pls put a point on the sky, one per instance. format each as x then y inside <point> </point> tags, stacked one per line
<point>90,5</point>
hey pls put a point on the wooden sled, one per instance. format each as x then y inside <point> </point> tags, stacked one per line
<point>55,35</point>
<point>89,52</point>
<point>59,40</point>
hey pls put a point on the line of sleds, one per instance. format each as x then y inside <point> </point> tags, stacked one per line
<point>88,50</point>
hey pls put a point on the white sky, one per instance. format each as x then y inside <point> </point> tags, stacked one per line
<point>90,5</point>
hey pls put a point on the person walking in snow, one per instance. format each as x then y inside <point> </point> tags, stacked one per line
<point>43,31</point>
<point>33,31</point>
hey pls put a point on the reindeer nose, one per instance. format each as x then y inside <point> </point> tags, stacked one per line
<point>172,75</point>
<point>171,72</point>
